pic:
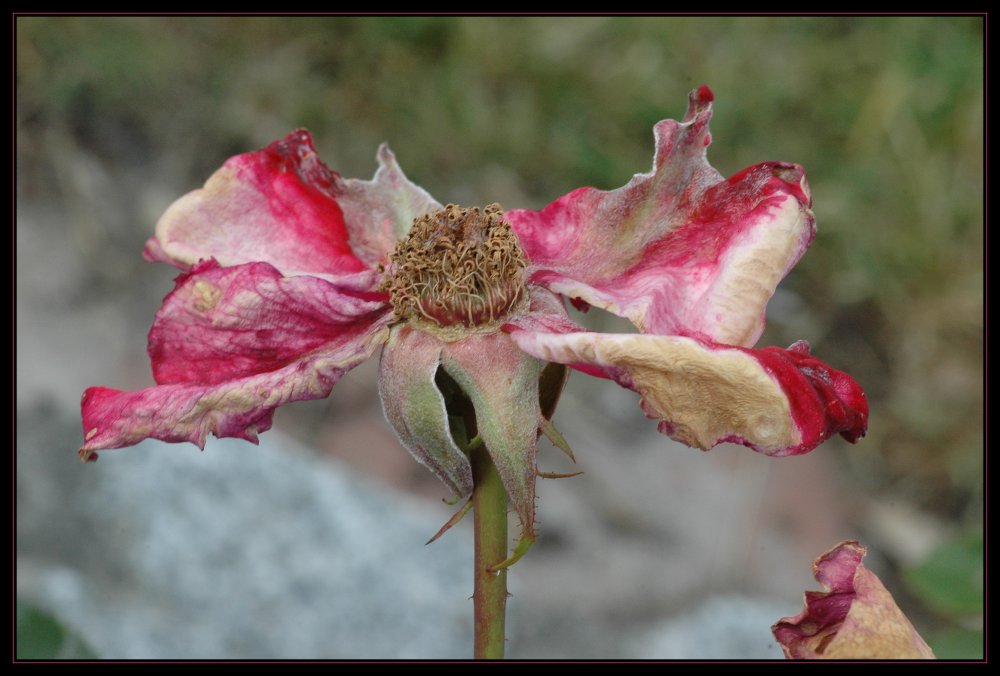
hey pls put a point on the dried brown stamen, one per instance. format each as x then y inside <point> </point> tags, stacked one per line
<point>457,267</point>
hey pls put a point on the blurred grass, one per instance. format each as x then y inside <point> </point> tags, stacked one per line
<point>957,644</point>
<point>951,584</point>
<point>951,580</point>
<point>117,116</point>
<point>40,636</point>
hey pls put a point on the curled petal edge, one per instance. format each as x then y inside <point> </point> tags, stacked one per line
<point>855,618</point>
<point>777,402</point>
<point>272,205</point>
<point>221,323</point>
<point>695,254</point>
<point>282,205</point>
<point>241,408</point>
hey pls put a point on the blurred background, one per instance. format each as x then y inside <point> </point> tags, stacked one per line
<point>657,550</point>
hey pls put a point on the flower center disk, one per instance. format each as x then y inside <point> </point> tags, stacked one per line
<point>458,267</point>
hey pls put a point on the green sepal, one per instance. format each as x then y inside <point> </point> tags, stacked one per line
<point>557,439</point>
<point>456,517</point>
<point>501,382</point>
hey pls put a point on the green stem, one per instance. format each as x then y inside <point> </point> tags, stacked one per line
<point>489,598</point>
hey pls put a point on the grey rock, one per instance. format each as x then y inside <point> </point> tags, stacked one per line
<point>161,551</point>
<point>723,627</point>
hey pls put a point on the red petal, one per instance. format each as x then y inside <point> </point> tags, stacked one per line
<point>229,346</point>
<point>224,323</point>
<point>283,206</point>
<point>823,401</point>
<point>678,251</point>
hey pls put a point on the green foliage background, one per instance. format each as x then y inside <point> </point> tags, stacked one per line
<point>886,114</point>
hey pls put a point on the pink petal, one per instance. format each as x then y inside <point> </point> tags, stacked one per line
<point>416,409</point>
<point>680,250</point>
<point>380,212</point>
<point>778,402</point>
<point>283,206</point>
<point>546,312</point>
<point>224,323</point>
<point>231,345</point>
<point>856,618</point>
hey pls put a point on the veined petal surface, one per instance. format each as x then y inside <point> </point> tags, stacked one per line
<point>281,205</point>
<point>678,250</point>
<point>229,346</point>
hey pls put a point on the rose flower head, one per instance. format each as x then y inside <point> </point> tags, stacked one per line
<point>292,275</point>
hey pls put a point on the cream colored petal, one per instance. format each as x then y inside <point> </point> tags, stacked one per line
<point>778,402</point>
<point>855,618</point>
<point>702,396</point>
